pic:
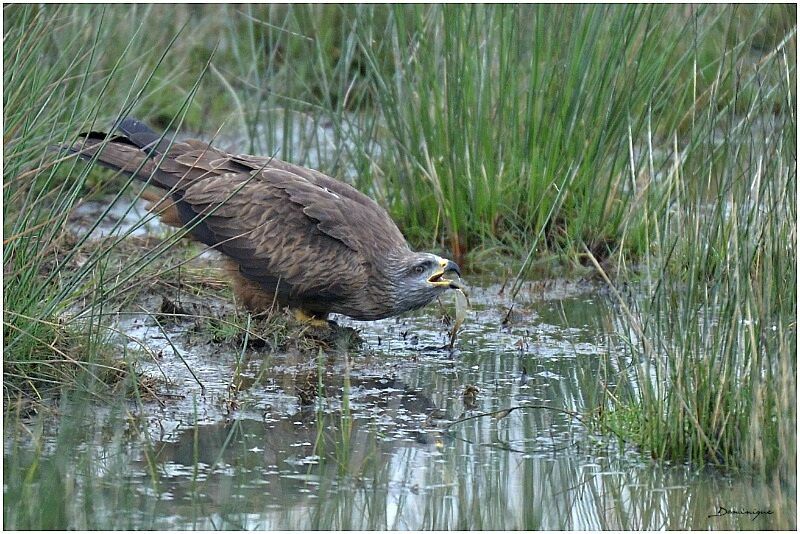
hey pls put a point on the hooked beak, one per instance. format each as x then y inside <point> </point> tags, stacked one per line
<point>440,278</point>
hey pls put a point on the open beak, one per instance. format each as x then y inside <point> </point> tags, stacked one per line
<point>447,275</point>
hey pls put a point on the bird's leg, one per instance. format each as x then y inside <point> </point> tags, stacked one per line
<point>250,294</point>
<point>303,316</point>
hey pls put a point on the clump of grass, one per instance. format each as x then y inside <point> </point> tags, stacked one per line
<point>56,286</point>
<point>277,330</point>
<point>710,375</point>
<point>509,123</point>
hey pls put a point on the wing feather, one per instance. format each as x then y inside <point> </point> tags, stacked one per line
<point>337,209</point>
<point>269,236</point>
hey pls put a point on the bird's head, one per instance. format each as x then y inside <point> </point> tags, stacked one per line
<point>417,278</point>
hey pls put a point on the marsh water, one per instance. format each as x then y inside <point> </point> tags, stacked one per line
<point>399,433</point>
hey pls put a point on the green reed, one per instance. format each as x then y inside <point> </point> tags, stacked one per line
<point>710,374</point>
<point>58,82</point>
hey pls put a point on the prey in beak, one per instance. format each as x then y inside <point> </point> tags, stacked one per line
<point>447,275</point>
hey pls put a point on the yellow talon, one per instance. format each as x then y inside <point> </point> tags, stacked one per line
<point>302,316</point>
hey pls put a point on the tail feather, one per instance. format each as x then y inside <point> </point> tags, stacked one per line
<point>136,152</point>
<point>143,136</point>
<point>137,131</point>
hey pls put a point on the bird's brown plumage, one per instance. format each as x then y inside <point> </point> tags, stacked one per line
<point>293,235</point>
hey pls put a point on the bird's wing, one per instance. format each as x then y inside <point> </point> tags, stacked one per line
<point>271,238</point>
<point>283,224</point>
<point>330,202</point>
<point>335,208</point>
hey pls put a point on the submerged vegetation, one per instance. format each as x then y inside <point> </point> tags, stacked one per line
<point>652,145</point>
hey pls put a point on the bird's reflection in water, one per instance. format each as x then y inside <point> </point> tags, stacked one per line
<point>314,443</point>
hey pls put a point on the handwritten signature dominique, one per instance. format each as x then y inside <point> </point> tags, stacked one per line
<point>721,511</point>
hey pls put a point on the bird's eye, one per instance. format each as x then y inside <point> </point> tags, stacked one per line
<point>419,269</point>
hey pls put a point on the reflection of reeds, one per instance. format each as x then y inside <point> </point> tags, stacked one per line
<point>95,470</point>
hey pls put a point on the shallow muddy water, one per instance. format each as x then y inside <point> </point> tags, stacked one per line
<point>382,437</point>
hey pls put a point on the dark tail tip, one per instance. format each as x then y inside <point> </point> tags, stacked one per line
<point>132,126</point>
<point>138,133</point>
